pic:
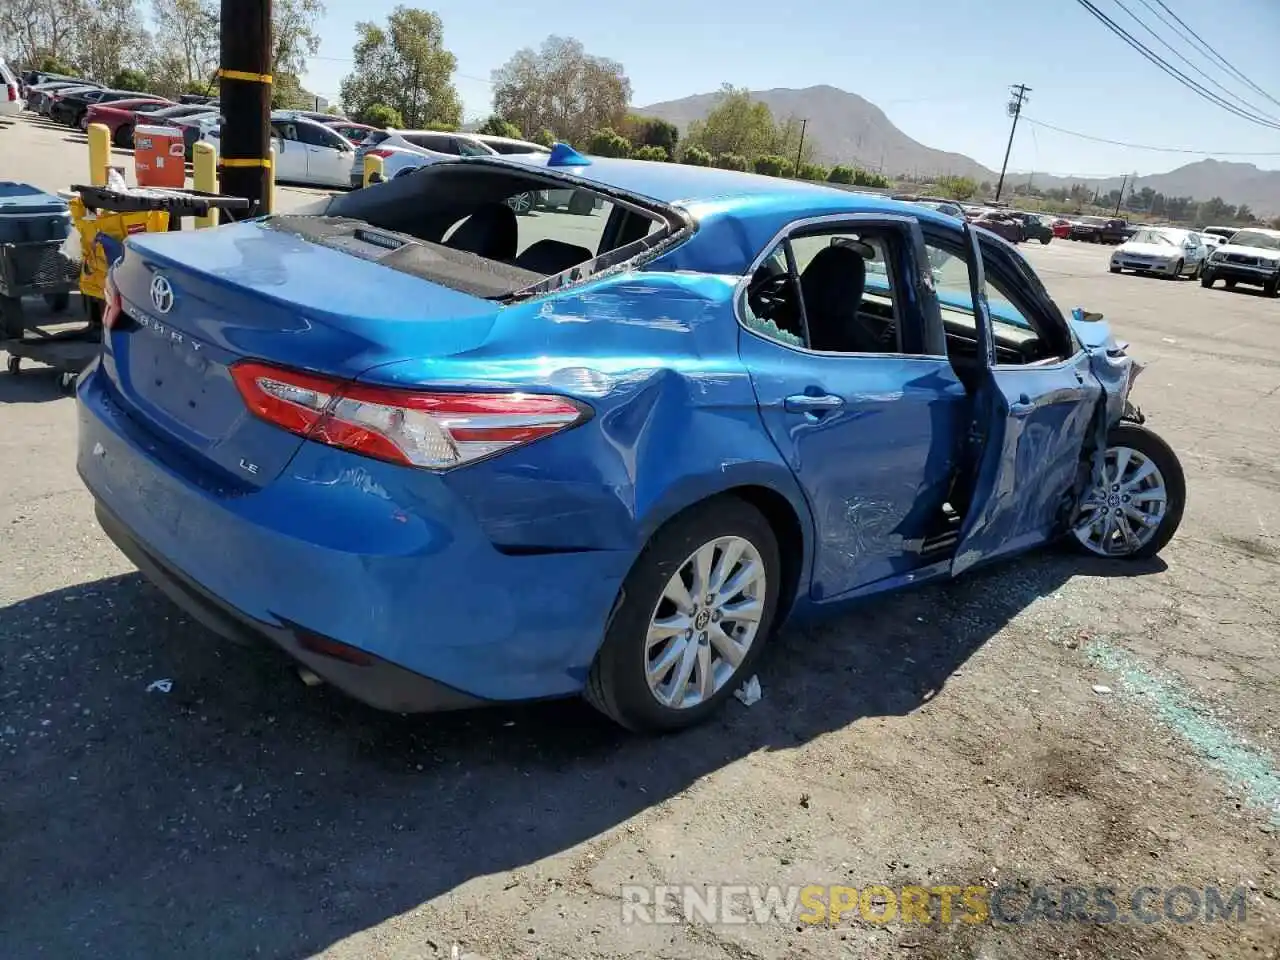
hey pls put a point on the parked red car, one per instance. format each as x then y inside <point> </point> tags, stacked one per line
<point>121,116</point>
<point>355,132</point>
<point>1061,228</point>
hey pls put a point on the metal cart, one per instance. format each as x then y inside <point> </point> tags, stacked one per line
<point>33,225</point>
<point>105,218</point>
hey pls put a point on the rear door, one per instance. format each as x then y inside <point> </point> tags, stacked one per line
<point>1031,422</point>
<point>324,156</point>
<point>291,152</point>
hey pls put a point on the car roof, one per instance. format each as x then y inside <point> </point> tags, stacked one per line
<point>1263,230</point>
<point>753,207</point>
<point>513,141</point>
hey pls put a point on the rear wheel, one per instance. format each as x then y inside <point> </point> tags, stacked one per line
<point>1206,280</point>
<point>1045,240</point>
<point>1271,287</point>
<point>1229,283</point>
<point>1177,270</point>
<point>521,202</point>
<point>1135,507</point>
<point>123,136</point>
<point>694,615</point>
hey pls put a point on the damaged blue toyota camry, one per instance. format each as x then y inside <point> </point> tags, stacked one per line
<point>444,455</point>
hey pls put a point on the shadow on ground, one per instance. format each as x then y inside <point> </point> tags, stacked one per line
<point>243,814</point>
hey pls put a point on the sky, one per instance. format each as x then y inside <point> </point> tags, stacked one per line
<point>940,69</point>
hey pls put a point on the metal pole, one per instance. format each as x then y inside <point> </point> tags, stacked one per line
<point>1124,183</point>
<point>244,85</point>
<point>800,150</point>
<point>1020,92</point>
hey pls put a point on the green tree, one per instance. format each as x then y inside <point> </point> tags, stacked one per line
<point>732,161</point>
<point>957,188</point>
<point>294,36</point>
<point>380,115</point>
<point>736,124</point>
<point>840,174</point>
<point>651,132</point>
<point>772,165</point>
<point>608,143</point>
<point>51,64</point>
<point>868,178</point>
<point>187,30</point>
<point>130,79</point>
<point>404,65</point>
<point>562,87</point>
<point>544,137</point>
<point>1244,214</point>
<point>695,156</point>
<point>495,126</point>
<point>109,38</point>
<point>651,152</point>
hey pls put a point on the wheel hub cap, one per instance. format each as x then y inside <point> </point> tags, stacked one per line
<point>1124,509</point>
<point>705,622</point>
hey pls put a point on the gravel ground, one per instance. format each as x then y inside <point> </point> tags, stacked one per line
<point>1050,721</point>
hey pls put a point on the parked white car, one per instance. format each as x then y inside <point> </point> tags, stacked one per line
<point>403,151</point>
<point>11,102</point>
<point>1161,250</point>
<point>1251,256</point>
<point>306,151</point>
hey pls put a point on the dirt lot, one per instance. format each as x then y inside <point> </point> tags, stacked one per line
<point>950,736</point>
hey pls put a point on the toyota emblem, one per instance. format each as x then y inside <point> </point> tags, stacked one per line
<point>161,294</point>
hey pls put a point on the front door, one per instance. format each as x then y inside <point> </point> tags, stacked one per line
<point>1031,422</point>
<point>867,417</point>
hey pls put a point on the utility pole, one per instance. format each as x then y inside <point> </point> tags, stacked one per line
<point>244,87</point>
<point>800,150</point>
<point>1123,183</point>
<point>1019,91</point>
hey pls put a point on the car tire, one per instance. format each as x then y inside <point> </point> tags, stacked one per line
<point>123,137</point>
<point>1045,240</point>
<point>1229,283</point>
<point>581,204</point>
<point>521,203</point>
<point>1114,269</point>
<point>618,685</point>
<point>1152,448</point>
<point>1177,270</point>
<point>1271,288</point>
<point>1206,279</point>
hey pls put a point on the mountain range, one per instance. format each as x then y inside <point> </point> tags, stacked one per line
<point>845,128</point>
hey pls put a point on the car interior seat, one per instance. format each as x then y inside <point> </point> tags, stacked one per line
<point>552,256</point>
<point>832,286</point>
<point>491,231</point>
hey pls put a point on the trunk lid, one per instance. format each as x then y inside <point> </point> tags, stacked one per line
<point>198,302</point>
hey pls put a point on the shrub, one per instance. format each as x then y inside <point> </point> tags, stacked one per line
<point>381,115</point>
<point>813,171</point>
<point>841,174</point>
<point>609,143</point>
<point>696,157</point>
<point>128,79</point>
<point>652,152</point>
<point>732,161</point>
<point>495,126</point>
<point>772,165</point>
<point>544,137</point>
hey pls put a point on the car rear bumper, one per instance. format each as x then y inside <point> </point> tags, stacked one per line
<point>342,548</point>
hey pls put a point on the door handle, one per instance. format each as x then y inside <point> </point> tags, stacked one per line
<point>818,404</point>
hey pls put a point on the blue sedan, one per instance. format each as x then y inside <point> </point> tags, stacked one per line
<point>445,456</point>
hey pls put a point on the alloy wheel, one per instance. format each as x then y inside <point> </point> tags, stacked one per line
<point>1123,511</point>
<point>705,622</point>
<point>521,202</point>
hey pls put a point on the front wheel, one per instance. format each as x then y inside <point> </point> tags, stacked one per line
<point>521,203</point>
<point>1206,280</point>
<point>123,137</point>
<point>1115,269</point>
<point>1177,270</point>
<point>1135,507</point>
<point>694,615</point>
<point>1045,240</point>
<point>1272,287</point>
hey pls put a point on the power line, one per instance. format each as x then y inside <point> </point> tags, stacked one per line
<point>1212,52</point>
<point>1174,71</point>
<point>1143,146</point>
<point>1177,53</point>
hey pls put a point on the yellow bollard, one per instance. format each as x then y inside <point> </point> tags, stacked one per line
<point>204,160</point>
<point>372,168</point>
<point>99,153</point>
<point>271,181</point>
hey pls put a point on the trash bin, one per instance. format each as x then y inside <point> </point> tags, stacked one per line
<point>33,225</point>
<point>159,157</point>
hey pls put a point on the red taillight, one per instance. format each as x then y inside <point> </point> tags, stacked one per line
<point>13,92</point>
<point>113,306</point>
<point>377,152</point>
<point>421,429</point>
